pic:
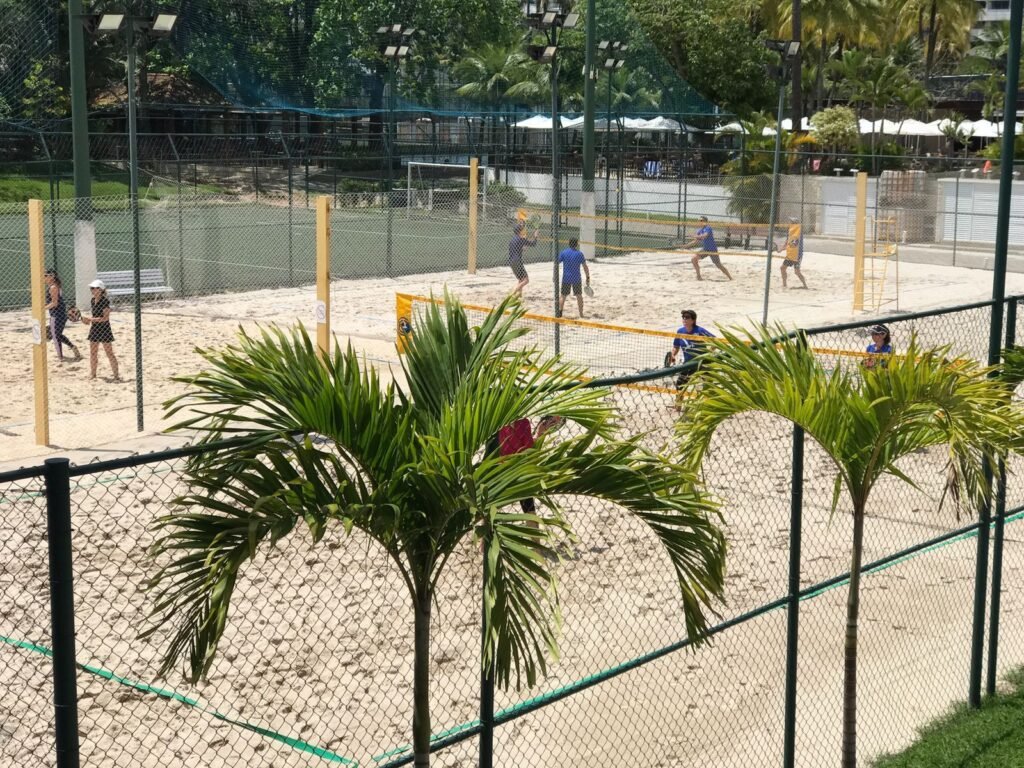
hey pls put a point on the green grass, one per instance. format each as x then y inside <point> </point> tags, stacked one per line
<point>19,189</point>
<point>989,737</point>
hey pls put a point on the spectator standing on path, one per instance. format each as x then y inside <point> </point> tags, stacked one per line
<point>704,242</point>
<point>515,255</point>
<point>794,252</point>
<point>571,260</point>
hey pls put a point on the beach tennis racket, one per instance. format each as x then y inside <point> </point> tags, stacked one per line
<point>668,360</point>
<point>588,290</point>
<point>74,314</point>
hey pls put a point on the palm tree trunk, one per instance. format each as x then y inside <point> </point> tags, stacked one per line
<point>929,59</point>
<point>850,650</point>
<point>421,683</point>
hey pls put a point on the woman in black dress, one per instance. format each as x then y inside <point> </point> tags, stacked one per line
<point>58,315</point>
<point>99,329</point>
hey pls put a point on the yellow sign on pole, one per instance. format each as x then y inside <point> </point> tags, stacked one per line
<point>474,167</point>
<point>323,274</point>
<point>36,251</point>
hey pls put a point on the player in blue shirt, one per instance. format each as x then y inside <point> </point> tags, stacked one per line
<point>704,242</point>
<point>571,260</point>
<point>515,255</point>
<point>691,349</point>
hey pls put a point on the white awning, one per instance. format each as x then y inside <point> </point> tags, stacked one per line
<point>543,122</point>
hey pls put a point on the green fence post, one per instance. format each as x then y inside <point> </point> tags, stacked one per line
<point>997,539</point>
<point>796,503</point>
<point>995,339</point>
<point>486,747</point>
<point>62,610</point>
<point>181,221</point>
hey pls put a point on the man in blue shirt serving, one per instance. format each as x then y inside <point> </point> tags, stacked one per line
<point>704,242</point>
<point>572,259</point>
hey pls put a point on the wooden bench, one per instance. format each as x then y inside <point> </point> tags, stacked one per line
<point>122,283</point>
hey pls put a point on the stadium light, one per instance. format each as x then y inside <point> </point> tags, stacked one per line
<point>613,52</point>
<point>548,18</point>
<point>152,26</point>
<point>788,51</point>
<point>395,46</point>
<point>109,22</point>
<point>163,24</point>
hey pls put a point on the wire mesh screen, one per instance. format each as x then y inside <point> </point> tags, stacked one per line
<point>26,706</point>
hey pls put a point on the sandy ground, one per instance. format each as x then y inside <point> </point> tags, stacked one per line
<point>636,290</point>
<point>319,646</point>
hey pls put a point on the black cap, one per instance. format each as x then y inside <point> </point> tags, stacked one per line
<point>878,329</point>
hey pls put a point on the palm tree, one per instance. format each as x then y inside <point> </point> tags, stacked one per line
<point>415,469</point>
<point>942,26</point>
<point>865,422</point>
<point>827,26</point>
<point>749,174</point>
<point>488,73</point>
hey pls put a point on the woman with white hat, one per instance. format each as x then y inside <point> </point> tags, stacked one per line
<point>100,331</point>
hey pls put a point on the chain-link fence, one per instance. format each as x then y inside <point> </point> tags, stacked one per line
<point>316,664</point>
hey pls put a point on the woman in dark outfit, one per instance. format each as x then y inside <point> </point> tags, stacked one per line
<point>58,315</point>
<point>100,331</point>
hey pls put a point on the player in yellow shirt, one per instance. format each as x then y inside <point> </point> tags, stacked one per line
<point>794,252</point>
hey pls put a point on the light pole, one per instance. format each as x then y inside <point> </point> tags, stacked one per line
<point>612,54</point>
<point>395,44</point>
<point>158,25</point>
<point>789,51</point>
<point>548,17</point>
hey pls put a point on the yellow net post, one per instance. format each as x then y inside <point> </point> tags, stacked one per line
<point>39,322</point>
<point>474,169</point>
<point>323,274</point>
<point>860,221</point>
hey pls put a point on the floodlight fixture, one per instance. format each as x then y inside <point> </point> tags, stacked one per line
<point>548,19</point>
<point>792,49</point>
<point>390,51</point>
<point>603,45</point>
<point>382,30</point>
<point>571,20</point>
<point>543,54</point>
<point>403,51</point>
<point>109,22</point>
<point>163,24</point>
<point>620,63</point>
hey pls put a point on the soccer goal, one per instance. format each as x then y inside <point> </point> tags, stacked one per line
<point>444,188</point>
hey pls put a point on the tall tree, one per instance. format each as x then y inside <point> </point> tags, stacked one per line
<point>715,46</point>
<point>942,26</point>
<point>414,468</point>
<point>866,423</point>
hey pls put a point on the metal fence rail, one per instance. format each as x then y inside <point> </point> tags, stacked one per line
<point>315,668</point>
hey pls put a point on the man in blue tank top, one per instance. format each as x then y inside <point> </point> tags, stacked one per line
<point>572,260</point>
